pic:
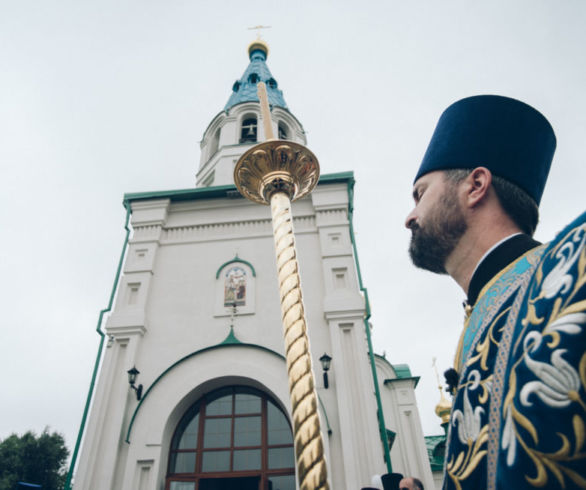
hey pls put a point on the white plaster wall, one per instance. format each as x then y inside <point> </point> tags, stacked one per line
<point>174,255</point>
<point>438,479</point>
<point>408,454</point>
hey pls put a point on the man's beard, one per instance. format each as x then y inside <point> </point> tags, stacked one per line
<point>434,241</point>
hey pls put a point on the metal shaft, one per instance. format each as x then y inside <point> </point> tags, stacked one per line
<point>309,446</point>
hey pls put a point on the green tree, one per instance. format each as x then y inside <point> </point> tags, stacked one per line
<point>41,460</point>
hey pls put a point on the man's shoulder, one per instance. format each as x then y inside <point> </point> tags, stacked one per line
<point>542,388</point>
<point>565,234</point>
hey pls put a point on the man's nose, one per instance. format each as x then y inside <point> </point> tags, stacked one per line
<point>410,220</point>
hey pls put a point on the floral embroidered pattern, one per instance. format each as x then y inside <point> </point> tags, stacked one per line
<point>558,383</point>
<point>543,414</point>
<point>559,280</point>
<point>519,416</point>
<point>467,447</point>
<point>468,421</point>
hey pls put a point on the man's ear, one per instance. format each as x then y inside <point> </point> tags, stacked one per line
<point>478,186</point>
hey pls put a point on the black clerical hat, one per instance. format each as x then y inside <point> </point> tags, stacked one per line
<point>507,136</point>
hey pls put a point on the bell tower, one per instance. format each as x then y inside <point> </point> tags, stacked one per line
<point>239,125</point>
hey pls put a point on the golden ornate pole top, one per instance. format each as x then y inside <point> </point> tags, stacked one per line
<point>276,172</point>
<point>275,165</point>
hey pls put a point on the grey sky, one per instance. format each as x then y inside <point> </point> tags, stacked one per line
<point>102,98</point>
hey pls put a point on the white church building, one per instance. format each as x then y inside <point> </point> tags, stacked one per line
<point>196,312</point>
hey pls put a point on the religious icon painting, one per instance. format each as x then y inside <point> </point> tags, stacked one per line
<point>235,287</point>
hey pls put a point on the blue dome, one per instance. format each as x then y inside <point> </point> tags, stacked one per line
<point>244,90</point>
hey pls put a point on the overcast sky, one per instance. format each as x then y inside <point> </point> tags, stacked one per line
<point>102,98</point>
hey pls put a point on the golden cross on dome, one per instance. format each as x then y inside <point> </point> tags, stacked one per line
<point>433,364</point>
<point>258,28</point>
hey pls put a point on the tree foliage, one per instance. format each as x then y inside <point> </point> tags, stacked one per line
<point>41,460</point>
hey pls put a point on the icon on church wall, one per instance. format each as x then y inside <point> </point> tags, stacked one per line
<point>235,287</point>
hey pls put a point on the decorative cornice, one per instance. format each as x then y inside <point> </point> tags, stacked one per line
<point>345,315</point>
<point>146,233</point>
<point>332,216</point>
<point>215,231</point>
<point>220,191</point>
<point>414,379</point>
<point>126,331</point>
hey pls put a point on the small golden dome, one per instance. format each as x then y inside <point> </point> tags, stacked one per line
<point>443,408</point>
<point>258,44</point>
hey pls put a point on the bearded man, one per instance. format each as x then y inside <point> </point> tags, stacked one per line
<point>519,379</point>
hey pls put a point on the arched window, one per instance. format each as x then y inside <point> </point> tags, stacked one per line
<point>283,131</point>
<point>248,132</point>
<point>214,143</point>
<point>234,437</point>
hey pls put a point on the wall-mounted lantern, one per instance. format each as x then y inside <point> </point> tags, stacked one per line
<point>325,364</point>
<point>132,374</point>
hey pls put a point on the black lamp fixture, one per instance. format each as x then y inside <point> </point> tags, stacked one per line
<point>132,374</point>
<point>325,365</point>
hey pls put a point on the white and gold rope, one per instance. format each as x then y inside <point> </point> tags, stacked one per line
<point>275,172</point>
<point>309,447</point>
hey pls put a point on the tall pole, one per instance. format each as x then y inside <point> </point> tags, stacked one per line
<point>278,172</point>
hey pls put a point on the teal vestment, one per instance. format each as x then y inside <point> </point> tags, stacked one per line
<point>519,414</point>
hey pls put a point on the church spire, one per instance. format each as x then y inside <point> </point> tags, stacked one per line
<point>239,125</point>
<point>244,90</point>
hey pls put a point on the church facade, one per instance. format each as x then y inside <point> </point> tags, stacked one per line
<point>196,319</point>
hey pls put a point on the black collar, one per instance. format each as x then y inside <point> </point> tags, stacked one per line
<point>496,261</point>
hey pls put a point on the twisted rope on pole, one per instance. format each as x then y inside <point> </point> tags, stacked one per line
<point>309,447</point>
<point>276,172</point>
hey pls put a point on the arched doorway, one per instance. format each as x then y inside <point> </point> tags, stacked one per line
<point>233,438</point>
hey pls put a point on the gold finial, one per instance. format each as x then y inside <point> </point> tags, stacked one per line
<point>444,407</point>
<point>258,28</point>
<point>258,43</point>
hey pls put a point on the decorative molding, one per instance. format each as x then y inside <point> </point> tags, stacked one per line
<point>345,316</point>
<point>231,338</point>
<point>392,381</point>
<point>125,331</point>
<point>246,228</point>
<point>332,217</point>
<point>236,259</point>
<point>146,233</point>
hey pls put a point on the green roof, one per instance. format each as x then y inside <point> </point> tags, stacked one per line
<point>402,371</point>
<point>436,446</point>
<point>245,89</point>
<point>219,191</point>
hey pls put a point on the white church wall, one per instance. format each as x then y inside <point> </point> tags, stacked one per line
<point>174,256</point>
<point>408,454</point>
<point>171,320</point>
